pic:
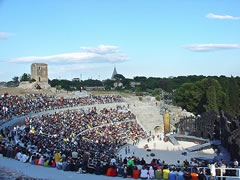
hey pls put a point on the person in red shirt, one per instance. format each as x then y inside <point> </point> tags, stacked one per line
<point>136,173</point>
<point>114,170</point>
<point>194,176</point>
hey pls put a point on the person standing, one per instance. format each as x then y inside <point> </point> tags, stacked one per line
<point>223,169</point>
<point>213,170</point>
<point>236,163</point>
<point>201,175</point>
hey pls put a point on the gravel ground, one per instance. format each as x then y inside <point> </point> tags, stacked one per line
<point>10,174</point>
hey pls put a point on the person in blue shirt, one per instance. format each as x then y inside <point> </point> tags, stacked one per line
<point>171,175</point>
<point>180,174</point>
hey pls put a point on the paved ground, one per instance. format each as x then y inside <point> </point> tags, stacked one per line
<point>13,169</point>
<point>165,151</point>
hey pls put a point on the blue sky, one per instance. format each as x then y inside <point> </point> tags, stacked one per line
<point>159,38</point>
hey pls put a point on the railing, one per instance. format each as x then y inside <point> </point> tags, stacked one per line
<point>221,176</point>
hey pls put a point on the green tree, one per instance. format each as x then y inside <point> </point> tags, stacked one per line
<point>108,84</point>
<point>188,97</point>
<point>156,92</point>
<point>25,77</point>
<point>158,98</point>
<point>58,87</point>
<point>234,93</point>
<point>211,96</point>
<point>119,77</point>
<point>32,80</point>
<point>15,79</point>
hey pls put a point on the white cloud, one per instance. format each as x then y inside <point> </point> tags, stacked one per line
<point>210,47</point>
<point>5,35</point>
<point>56,70</point>
<point>102,49</point>
<point>215,16</point>
<point>102,54</point>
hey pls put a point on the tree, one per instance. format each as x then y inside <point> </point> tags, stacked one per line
<point>188,97</point>
<point>156,92</point>
<point>211,100</point>
<point>32,80</point>
<point>25,77</point>
<point>58,87</point>
<point>119,77</point>
<point>158,98</point>
<point>234,96</point>
<point>15,79</point>
<point>139,79</point>
<point>108,84</point>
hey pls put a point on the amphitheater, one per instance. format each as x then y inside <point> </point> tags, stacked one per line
<point>148,116</point>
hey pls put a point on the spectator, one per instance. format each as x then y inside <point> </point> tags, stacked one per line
<point>136,173</point>
<point>159,173</point>
<point>144,173</point>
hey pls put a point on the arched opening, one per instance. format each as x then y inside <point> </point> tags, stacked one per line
<point>39,79</point>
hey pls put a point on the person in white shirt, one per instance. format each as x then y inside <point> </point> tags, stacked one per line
<point>213,170</point>
<point>18,156</point>
<point>144,173</point>
<point>24,158</point>
<point>113,161</point>
<point>235,163</point>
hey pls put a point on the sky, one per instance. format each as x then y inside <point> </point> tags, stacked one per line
<point>152,38</point>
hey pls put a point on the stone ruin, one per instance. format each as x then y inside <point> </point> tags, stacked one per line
<point>39,72</point>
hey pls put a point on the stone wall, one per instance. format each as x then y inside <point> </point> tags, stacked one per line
<point>39,72</point>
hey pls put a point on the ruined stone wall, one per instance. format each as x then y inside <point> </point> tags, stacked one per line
<point>39,72</point>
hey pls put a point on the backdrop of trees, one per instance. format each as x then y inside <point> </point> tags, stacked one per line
<point>194,93</point>
<point>210,93</point>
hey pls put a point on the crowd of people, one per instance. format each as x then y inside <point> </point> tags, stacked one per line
<point>11,106</point>
<point>87,140</point>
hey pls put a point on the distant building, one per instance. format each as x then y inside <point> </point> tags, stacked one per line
<point>39,72</point>
<point>114,73</point>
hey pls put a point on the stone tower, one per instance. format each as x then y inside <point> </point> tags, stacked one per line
<point>166,122</point>
<point>114,73</point>
<point>39,72</point>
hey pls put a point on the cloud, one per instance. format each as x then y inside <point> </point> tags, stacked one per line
<point>215,16</point>
<point>102,49</point>
<point>210,47</point>
<point>5,35</point>
<point>56,70</point>
<point>102,54</point>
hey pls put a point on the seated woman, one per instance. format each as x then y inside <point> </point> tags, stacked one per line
<point>136,173</point>
<point>36,160</point>
<point>144,173</point>
<point>46,162</point>
<point>109,171</point>
<point>114,170</point>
